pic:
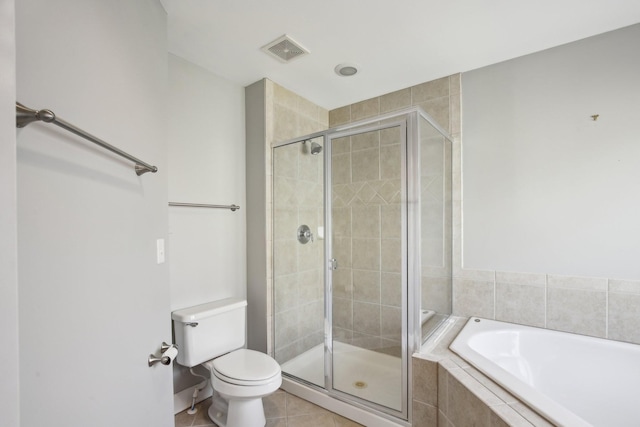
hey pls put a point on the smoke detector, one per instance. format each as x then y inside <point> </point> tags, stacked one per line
<point>284,49</point>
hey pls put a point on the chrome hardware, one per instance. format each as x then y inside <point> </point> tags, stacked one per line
<point>304,234</point>
<point>192,324</point>
<point>164,347</point>
<point>165,360</point>
<point>25,115</point>
<point>333,264</point>
<point>204,205</point>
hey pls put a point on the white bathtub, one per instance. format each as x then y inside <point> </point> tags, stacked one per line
<point>573,380</point>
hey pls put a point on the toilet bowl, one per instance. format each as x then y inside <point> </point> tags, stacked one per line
<point>213,334</point>
<point>240,380</point>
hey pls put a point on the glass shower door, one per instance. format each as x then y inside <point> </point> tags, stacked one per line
<point>298,251</point>
<point>368,267</point>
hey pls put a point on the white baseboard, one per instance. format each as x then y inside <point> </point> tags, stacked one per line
<point>182,399</point>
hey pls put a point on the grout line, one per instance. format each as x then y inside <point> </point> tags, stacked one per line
<point>546,298</point>
<point>606,310</point>
<point>495,295</point>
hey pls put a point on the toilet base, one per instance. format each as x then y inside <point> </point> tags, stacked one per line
<point>237,412</point>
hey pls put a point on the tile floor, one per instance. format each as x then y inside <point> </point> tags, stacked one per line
<point>281,410</point>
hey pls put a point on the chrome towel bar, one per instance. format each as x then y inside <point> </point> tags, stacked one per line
<point>25,115</point>
<point>202,205</point>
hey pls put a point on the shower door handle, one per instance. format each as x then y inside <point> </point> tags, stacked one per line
<point>333,264</point>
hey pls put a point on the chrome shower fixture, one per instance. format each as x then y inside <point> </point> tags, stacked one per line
<point>314,147</point>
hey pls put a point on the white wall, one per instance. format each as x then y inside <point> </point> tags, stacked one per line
<point>93,303</point>
<point>546,188</point>
<point>206,165</point>
<point>9,389</point>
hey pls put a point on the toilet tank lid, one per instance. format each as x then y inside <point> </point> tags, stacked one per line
<point>202,311</point>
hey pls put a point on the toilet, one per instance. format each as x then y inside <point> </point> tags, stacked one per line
<point>213,335</point>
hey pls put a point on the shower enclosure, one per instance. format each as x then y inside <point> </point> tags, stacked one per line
<point>361,256</point>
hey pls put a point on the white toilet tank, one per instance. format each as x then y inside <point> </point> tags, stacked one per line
<point>209,330</point>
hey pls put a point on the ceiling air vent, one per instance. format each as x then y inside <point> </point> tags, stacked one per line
<point>284,49</point>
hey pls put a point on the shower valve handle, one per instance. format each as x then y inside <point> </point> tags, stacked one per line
<point>304,234</point>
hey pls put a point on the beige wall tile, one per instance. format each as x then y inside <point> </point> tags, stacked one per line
<point>366,286</point>
<point>341,169</point>
<point>286,328</point>
<point>391,322</point>
<point>286,292</point>
<point>311,318</point>
<point>340,145</point>
<point>505,416</point>
<point>365,165</point>
<point>363,141</point>
<point>473,298</point>
<point>425,381</point>
<point>342,252</point>
<point>391,288</point>
<point>454,84</point>
<point>465,408</point>
<point>365,109</point>
<point>341,222</point>
<point>284,97</point>
<point>520,304</point>
<point>438,108</point>
<point>624,322</point>
<point>516,278</point>
<point>455,118</point>
<point>340,116</point>
<point>342,313</point>
<point>366,222</point>
<point>624,286</point>
<point>580,283</point>
<point>390,221</point>
<point>366,318</point>
<point>424,415</point>
<point>390,136</point>
<point>575,310</point>
<point>285,257</point>
<point>391,255</point>
<point>430,90</point>
<point>395,100</point>
<point>390,162</point>
<point>342,283</point>
<point>436,294</point>
<point>366,254</point>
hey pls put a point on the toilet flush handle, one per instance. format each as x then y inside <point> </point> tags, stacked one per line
<point>192,324</point>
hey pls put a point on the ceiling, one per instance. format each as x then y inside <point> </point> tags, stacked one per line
<point>396,44</point>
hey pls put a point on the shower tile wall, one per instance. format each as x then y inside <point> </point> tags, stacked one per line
<point>295,281</point>
<point>366,239</point>
<point>367,300</point>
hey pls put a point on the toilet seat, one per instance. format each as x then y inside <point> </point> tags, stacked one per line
<point>245,367</point>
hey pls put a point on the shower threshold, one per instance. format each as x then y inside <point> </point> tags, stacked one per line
<point>366,374</point>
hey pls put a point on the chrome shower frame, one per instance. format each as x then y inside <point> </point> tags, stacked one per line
<point>408,120</point>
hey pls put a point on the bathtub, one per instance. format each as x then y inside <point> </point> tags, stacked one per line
<point>572,380</point>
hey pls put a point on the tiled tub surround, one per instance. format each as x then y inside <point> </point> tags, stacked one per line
<point>448,392</point>
<point>599,307</point>
<point>564,376</point>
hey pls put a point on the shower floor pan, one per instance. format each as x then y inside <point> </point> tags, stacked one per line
<point>363,373</point>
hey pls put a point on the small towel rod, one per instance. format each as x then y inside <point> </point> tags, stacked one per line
<point>202,205</point>
<point>25,115</point>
